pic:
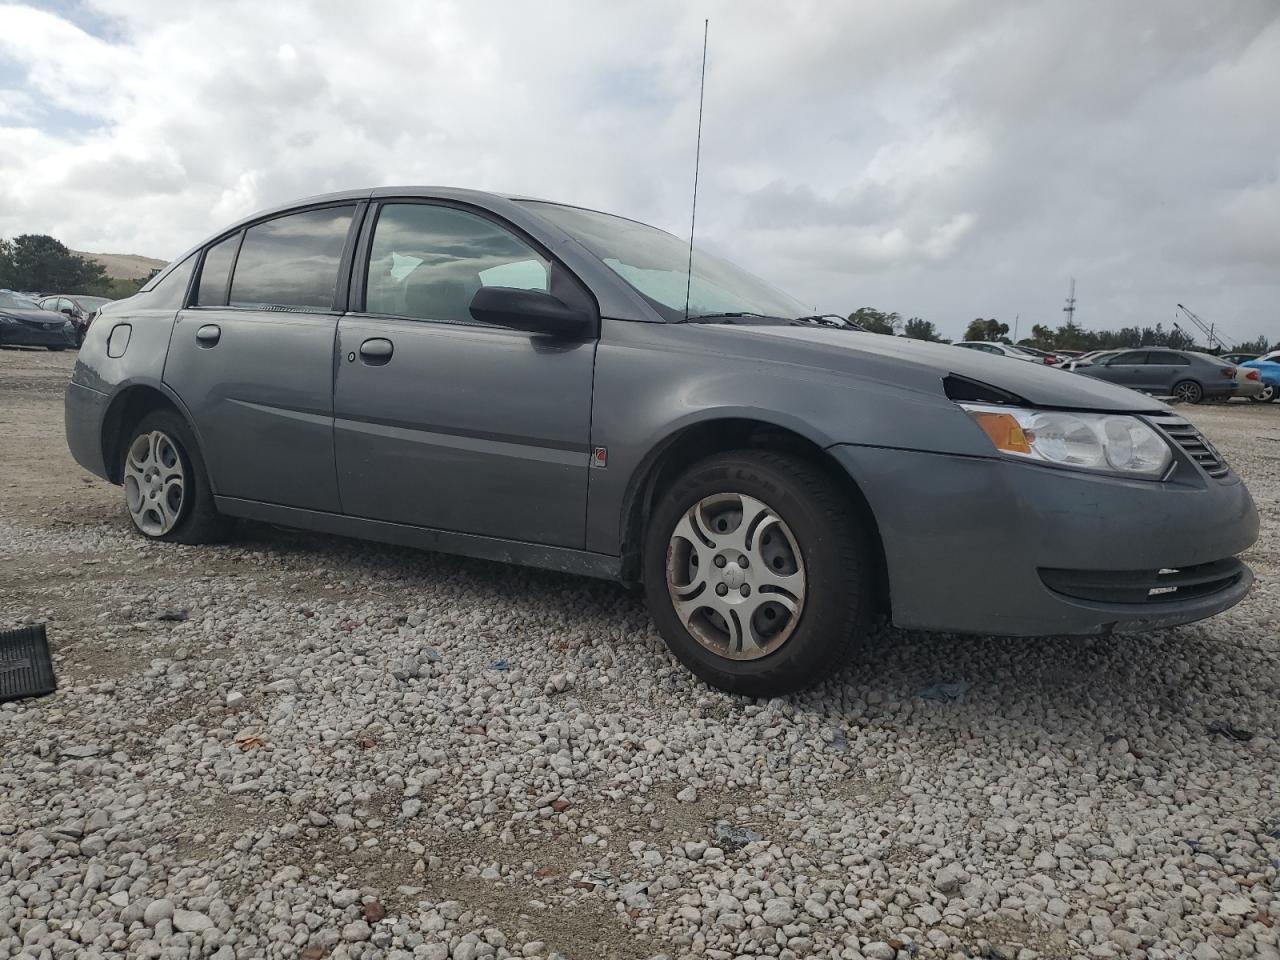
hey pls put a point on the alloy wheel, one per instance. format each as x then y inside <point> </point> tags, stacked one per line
<point>1187,392</point>
<point>736,576</point>
<point>154,483</point>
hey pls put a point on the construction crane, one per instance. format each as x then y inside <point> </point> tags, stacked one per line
<point>1216,342</point>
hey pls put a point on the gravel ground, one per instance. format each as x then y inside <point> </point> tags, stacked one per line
<point>301,746</point>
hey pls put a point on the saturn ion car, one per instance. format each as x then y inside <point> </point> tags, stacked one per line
<point>537,383</point>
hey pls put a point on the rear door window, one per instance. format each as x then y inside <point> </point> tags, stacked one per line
<point>291,262</point>
<point>1169,359</point>
<point>1128,359</point>
<point>212,291</point>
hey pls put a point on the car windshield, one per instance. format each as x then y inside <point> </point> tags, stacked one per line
<point>656,264</point>
<point>16,301</point>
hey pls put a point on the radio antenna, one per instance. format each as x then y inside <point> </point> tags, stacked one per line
<point>697,160</point>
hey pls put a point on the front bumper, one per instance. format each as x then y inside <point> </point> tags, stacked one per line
<point>967,540</point>
<point>22,335</point>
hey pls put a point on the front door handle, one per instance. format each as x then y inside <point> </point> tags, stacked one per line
<point>376,351</point>
<point>208,335</point>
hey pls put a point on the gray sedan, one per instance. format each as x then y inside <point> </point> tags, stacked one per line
<point>537,383</point>
<point>1184,374</point>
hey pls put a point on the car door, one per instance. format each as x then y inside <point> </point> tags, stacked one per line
<point>1164,368</point>
<point>1127,369</point>
<point>252,356</point>
<point>445,422</point>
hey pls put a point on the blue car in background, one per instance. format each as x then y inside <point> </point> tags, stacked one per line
<point>1268,368</point>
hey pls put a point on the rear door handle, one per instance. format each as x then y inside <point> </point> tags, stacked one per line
<point>376,352</point>
<point>208,335</point>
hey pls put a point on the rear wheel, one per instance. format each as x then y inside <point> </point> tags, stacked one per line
<point>1266,395</point>
<point>757,571</point>
<point>1188,391</point>
<point>166,488</point>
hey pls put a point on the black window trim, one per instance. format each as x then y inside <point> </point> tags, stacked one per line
<point>1115,361</point>
<point>341,285</point>
<point>359,272</point>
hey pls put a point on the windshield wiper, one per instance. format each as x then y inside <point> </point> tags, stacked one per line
<point>827,320</point>
<point>729,316</point>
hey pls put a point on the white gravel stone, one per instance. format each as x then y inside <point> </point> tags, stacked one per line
<point>158,910</point>
<point>191,921</point>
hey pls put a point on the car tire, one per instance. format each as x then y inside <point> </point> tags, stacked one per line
<point>159,449</point>
<point>807,588</point>
<point>1266,395</point>
<point>1188,391</point>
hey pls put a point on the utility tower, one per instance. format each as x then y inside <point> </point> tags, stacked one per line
<point>1070,308</point>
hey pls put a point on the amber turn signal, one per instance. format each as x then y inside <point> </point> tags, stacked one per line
<point>1003,430</point>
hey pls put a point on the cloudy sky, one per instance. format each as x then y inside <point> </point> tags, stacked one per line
<point>942,158</point>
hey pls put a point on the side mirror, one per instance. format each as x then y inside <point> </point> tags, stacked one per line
<point>533,310</point>
<point>66,311</point>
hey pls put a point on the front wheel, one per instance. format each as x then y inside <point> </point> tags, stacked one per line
<point>1267,394</point>
<point>1188,391</point>
<point>166,489</point>
<point>757,571</point>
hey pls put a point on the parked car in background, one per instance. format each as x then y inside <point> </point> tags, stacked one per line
<point>539,383</point>
<point>1268,371</point>
<point>1084,359</point>
<point>1237,358</point>
<point>1184,374</point>
<point>1049,359</point>
<point>78,308</point>
<point>998,350</point>
<point>23,323</point>
<point>1249,384</point>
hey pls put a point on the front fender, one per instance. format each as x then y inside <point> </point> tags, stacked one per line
<point>654,382</point>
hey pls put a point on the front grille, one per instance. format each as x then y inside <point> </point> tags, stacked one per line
<point>1192,442</point>
<point>1166,585</point>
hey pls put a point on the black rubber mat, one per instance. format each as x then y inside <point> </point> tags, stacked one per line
<point>26,669</point>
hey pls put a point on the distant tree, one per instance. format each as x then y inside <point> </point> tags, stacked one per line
<point>918,329</point>
<point>980,329</point>
<point>6,265</point>
<point>1260,345</point>
<point>1041,336</point>
<point>40,263</point>
<point>877,321</point>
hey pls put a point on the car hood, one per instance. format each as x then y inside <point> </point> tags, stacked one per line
<point>921,365</point>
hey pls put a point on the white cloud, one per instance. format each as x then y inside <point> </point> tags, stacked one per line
<point>946,159</point>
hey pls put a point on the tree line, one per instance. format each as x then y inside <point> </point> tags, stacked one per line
<point>37,263</point>
<point>1068,336</point>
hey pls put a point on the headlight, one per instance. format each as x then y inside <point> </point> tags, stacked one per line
<point>1103,442</point>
